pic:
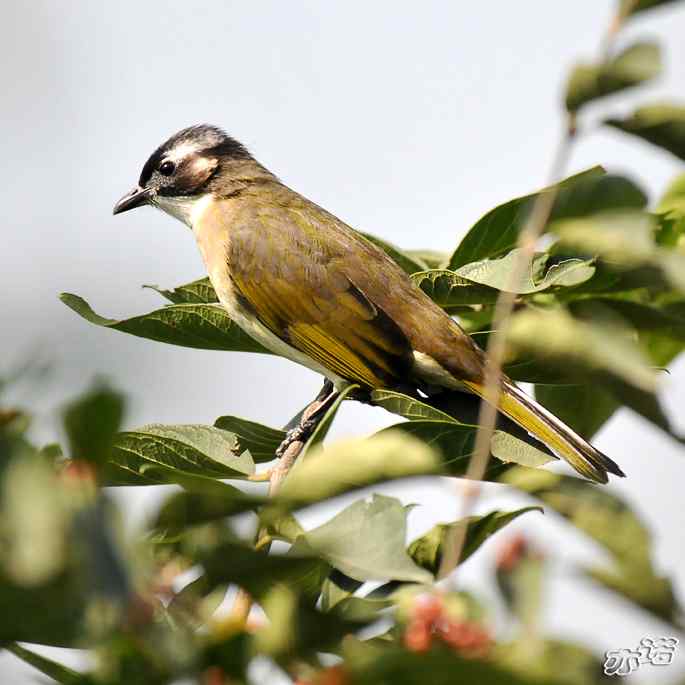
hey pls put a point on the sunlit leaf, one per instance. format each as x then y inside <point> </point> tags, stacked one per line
<point>635,65</point>
<point>352,464</point>
<point>498,273</point>
<point>196,292</point>
<point>625,240</point>
<point>194,449</point>
<point>367,540</point>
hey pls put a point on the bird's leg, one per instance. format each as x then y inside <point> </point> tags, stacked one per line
<point>309,419</point>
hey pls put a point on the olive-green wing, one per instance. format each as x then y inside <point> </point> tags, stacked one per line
<point>295,270</point>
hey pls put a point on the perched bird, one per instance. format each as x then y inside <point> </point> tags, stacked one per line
<point>310,288</point>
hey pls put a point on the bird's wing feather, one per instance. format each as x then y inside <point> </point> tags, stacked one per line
<point>301,287</point>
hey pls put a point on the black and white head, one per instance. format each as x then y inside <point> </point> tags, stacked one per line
<point>181,171</point>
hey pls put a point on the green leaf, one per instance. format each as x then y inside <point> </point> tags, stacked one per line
<point>193,449</point>
<point>202,326</point>
<point>585,408</point>
<point>231,562</point>
<point>296,629</point>
<point>394,665</point>
<point>427,550</point>
<point>259,440</point>
<point>409,264</point>
<point>580,348</point>
<point>431,258</point>
<point>447,289</point>
<point>35,521</point>
<point>366,541</point>
<point>196,292</point>
<point>203,505</point>
<point>352,464</point>
<point>608,520</point>
<point>673,199</point>
<point>585,193</point>
<point>594,510</point>
<point>662,124</point>
<point>635,65</point>
<point>642,587</point>
<point>497,273</point>
<point>510,449</point>
<point>24,616</point>
<point>48,667</point>
<point>91,422</point>
<point>408,407</point>
<point>628,8</point>
<point>625,240</point>
<point>545,660</point>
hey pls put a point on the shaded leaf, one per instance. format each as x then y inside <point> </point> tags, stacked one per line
<point>296,629</point>
<point>633,66</point>
<point>585,408</point>
<point>202,506</point>
<point>203,326</point>
<point>630,7</point>
<point>231,562</point>
<point>585,193</point>
<point>58,672</point>
<point>91,422</point>
<point>447,289</point>
<point>366,541</point>
<point>427,551</point>
<point>259,440</point>
<point>661,124</point>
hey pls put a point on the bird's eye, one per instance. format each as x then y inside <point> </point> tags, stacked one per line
<point>167,168</point>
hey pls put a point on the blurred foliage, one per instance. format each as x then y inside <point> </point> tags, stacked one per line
<point>600,311</point>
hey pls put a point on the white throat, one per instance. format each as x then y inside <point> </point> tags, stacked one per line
<point>183,208</point>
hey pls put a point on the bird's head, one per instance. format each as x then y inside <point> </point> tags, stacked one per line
<point>181,171</point>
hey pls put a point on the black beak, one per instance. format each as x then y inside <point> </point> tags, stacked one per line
<point>136,198</point>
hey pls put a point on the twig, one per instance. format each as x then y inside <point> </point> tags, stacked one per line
<point>535,226</point>
<point>289,450</point>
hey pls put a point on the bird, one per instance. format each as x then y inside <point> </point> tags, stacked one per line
<point>310,288</point>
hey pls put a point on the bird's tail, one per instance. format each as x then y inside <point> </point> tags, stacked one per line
<point>553,432</point>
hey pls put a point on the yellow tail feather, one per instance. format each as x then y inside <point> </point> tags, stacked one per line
<point>543,425</point>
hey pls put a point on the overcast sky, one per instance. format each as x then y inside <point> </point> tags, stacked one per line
<point>408,120</point>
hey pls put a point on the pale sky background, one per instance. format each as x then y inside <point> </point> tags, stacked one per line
<point>408,120</point>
